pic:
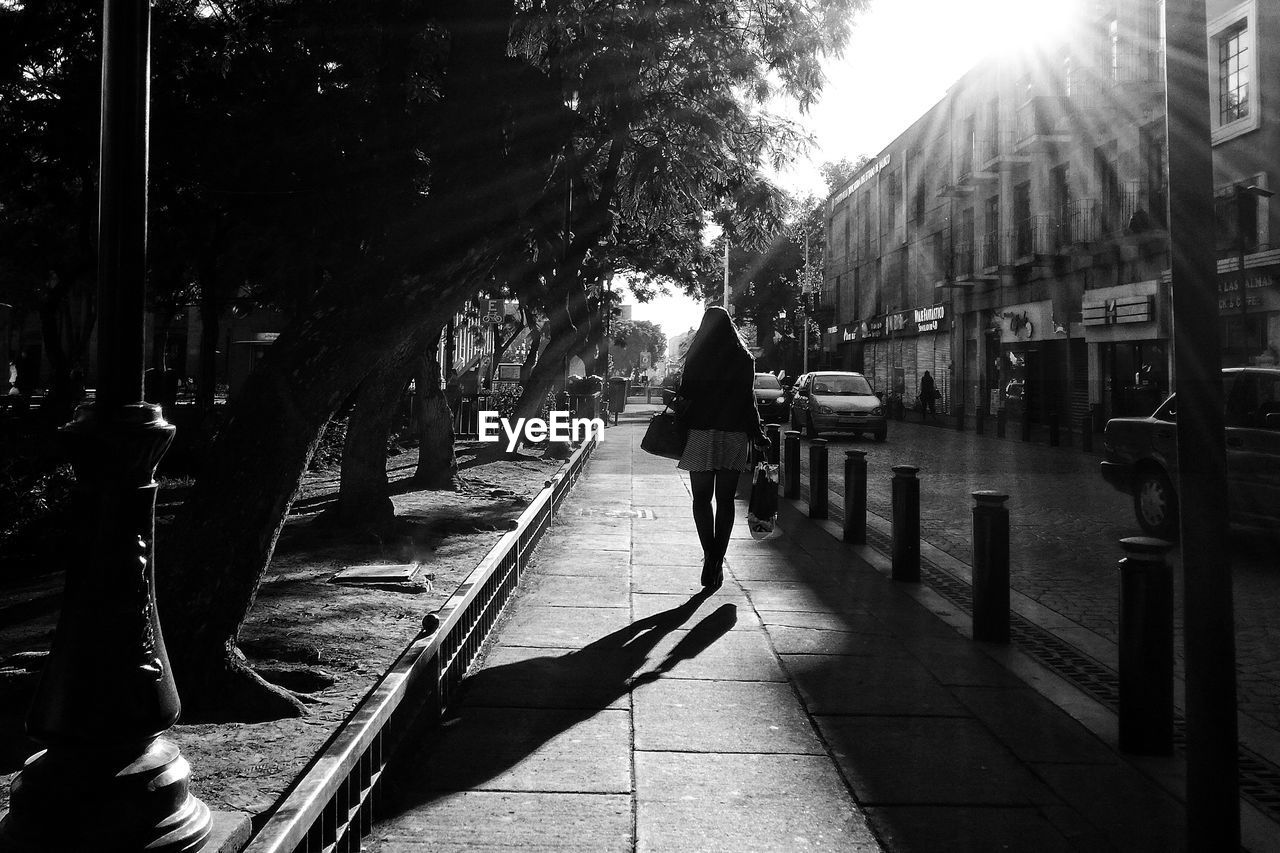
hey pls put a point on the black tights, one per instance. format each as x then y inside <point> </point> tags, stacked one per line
<point>713,530</point>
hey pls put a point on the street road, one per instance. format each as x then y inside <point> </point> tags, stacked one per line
<point>1065,526</point>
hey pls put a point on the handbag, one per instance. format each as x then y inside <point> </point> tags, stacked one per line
<point>666,435</point>
<point>762,508</point>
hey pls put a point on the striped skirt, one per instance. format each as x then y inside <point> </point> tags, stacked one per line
<point>714,450</point>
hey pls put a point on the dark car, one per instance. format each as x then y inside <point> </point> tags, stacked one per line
<point>771,399</point>
<point>1142,455</point>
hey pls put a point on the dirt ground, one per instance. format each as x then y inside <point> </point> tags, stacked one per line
<point>330,641</point>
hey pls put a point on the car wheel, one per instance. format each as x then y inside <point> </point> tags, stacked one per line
<point>1156,505</point>
<point>880,435</point>
<point>813,433</point>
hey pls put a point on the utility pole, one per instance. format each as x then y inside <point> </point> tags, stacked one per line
<point>726,271</point>
<point>1213,805</point>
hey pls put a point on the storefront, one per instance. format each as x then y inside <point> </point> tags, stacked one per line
<point>1130,361</point>
<point>898,348</point>
<point>1028,362</point>
<point>1250,322</point>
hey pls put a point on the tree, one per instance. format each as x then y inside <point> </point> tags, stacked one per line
<point>369,169</point>
<point>630,341</point>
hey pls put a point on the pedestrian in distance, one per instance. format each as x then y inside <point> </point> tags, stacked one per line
<point>724,426</point>
<point>928,396</point>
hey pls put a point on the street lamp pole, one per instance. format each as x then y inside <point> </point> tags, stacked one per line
<point>107,778</point>
<point>1213,816</point>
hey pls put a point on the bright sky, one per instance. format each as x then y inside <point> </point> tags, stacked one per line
<point>901,58</point>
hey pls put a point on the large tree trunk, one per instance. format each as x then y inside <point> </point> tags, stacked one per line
<point>362,492</point>
<point>437,465</point>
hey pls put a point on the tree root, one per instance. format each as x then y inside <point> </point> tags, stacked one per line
<point>229,691</point>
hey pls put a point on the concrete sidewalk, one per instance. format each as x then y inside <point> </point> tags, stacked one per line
<point>810,703</point>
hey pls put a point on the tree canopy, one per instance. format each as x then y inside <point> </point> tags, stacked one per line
<point>367,168</point>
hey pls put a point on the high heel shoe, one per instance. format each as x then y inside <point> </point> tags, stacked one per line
<point>712,574</point>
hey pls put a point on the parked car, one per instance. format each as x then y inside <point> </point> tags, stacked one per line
<point>1142,455</point>
<point>771,399</point>
<point>831,401</point>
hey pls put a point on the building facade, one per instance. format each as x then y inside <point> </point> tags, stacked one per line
<point>1014,242</point>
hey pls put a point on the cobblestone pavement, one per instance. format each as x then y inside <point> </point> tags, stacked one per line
<point>1065,524</point>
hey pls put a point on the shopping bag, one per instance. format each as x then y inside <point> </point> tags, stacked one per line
<point>666,436</point>
<point>762,508</point>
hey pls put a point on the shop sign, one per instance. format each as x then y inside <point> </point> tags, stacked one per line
<point>1021,326</point>
<point>1256,286</point>
<point>873,328</point>
<point>927,319</point>
<point>849,333</point>
<point>896,322</point>
<point>1122,309</point>
<point>1029,321</point>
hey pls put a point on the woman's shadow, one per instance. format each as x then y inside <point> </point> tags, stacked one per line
<point>508,711</point>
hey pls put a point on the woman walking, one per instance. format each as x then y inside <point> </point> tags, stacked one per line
<point>720,412</point>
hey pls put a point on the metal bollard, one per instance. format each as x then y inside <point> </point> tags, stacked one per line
<point>818,478</point>
<point>1026,426</point>
<point>960,418</point>
<point>979,421</point>
<point>1054,438</point>
<point>855,496</point>
<point>1146,647</point>
<point>906,524</point>
<point>774,432</point>
<point>791,464</point>
<point>1002,418</point>
<point>990,567</point>
<point>1086,433</point>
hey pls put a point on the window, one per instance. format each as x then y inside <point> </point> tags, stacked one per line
<point>1233,75</point>
<point>1233,58</point>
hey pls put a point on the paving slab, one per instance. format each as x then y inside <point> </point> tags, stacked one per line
<point>468,821</point>
<point>528,677</point>
<point>525,749</point>
<point>561,627</point>
<point>714,652</point>
<point>842,684</point>
<point>687,715</point>
<point>576,590</point>
<point>1110,796</point>
<point>1026,724</point>
<point>601,563</point>
<point>646,605</point>
<point>971,829</point>
<point>736,802</point>
<point>929,761</point>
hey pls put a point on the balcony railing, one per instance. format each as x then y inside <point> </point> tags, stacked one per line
<point>1034,236</point>
<point>1078,223</point>
<point>989,254</point>
<point>1142,209</point>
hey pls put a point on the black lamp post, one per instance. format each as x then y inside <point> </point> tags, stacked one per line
<point>107,778</point>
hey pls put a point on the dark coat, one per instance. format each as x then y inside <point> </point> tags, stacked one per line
<point>719,381</point>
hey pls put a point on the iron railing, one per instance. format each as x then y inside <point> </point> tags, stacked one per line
<point>331,807</point>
